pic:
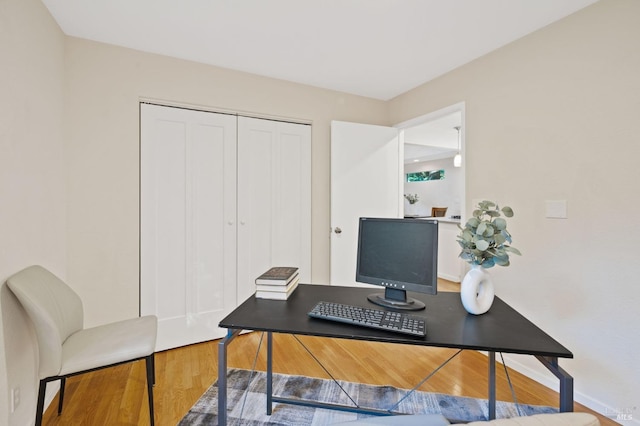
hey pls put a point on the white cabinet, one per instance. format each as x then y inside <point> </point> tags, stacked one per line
<point>449,264</point>
<point>222,198</point>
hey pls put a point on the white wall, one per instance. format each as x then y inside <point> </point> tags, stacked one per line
<point>553,116</point>
<point>32,186</point>
<point>447,192</point>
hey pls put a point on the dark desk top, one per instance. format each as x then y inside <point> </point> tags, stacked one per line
<point>502,329</point>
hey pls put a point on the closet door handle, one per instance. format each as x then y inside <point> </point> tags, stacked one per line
<point>337,230</point>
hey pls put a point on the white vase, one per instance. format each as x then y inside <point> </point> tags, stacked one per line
<point>411,209</point>
<point>476,290</point>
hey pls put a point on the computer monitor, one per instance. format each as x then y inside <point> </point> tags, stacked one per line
<point>400,255</point>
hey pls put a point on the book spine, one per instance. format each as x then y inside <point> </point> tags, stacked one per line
<point>276,282</point>
<point>278,288</point>
<point>276,295</point>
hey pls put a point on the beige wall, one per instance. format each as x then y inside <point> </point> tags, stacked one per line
<point>548,117</point>
<point>103,87</point>
<point>554,116</point>
<point>32,186</point>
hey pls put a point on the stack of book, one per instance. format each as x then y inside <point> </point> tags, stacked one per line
<point>277,283</point>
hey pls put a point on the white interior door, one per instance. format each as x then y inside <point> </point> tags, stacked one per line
<point>187,222</point>
<point>366,181</point>
<point>274,199</point>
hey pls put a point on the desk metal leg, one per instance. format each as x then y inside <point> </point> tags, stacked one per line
<point>269,372</point>
<point>566,382</point>
<point>222,375</point>
<point>492,385</point>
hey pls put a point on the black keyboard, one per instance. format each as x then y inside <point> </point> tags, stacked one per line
<point>374,318</point>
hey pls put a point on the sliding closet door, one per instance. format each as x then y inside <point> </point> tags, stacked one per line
<point>274,199</point>
<point>187,222</point>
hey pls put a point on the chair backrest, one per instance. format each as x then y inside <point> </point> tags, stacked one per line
<point>55,310</point>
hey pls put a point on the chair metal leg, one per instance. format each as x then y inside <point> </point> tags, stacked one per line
<point>40,407</point>
<point>63,381</point>
<point>153,361</point>
<point>150,382</point>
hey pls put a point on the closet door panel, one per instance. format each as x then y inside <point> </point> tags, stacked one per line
<point>207,251</point>
<point>256,140</point>
<point>188,231</point>
<point>168,217</point>
<point>293,180</point>
<point>274,199</point>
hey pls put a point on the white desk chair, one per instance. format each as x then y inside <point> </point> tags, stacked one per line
<point>66,348</point>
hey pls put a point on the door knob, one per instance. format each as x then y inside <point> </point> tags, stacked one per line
<point>337,230</point>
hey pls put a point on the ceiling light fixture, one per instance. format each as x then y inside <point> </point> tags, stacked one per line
<point>457,160</point>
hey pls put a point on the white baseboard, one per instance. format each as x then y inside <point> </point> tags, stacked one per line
<point>455,279</point>
<point>581,398</point>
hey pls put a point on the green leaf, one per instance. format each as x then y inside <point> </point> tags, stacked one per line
<point>486,204</point>
<point>500,224</point>
<point>502,261</point>
<point>482,245</point>
<point>467,235</point>
<point>508,212</point>
<point>512,250</point>
<point>468,257</point>
<point>473,223</point>
<point>488,263</point>
<point>499,239</point>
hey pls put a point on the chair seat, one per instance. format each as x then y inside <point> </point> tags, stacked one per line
<point>109,344</point>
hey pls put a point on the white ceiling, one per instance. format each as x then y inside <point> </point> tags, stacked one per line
<point>374,48</point>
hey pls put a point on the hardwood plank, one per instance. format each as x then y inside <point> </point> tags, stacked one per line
<point>117,396</point>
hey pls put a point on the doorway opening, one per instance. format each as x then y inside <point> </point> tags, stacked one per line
<point>430,142</point>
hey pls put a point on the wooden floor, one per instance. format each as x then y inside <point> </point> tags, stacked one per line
<point>117,396</point>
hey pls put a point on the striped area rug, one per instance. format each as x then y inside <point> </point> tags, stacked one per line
<point>247,402</point>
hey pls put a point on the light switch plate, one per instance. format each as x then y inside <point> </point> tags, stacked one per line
<point>556,209</point>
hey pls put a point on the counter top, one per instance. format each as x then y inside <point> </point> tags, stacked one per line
<point>446,219</point>
<point>439,219</point>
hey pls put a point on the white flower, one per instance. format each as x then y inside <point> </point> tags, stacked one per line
<point>412,198</point>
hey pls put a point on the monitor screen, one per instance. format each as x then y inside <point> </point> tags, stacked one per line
<point>400,255</point>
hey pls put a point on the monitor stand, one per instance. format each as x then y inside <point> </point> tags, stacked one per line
<point>396,299</point>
